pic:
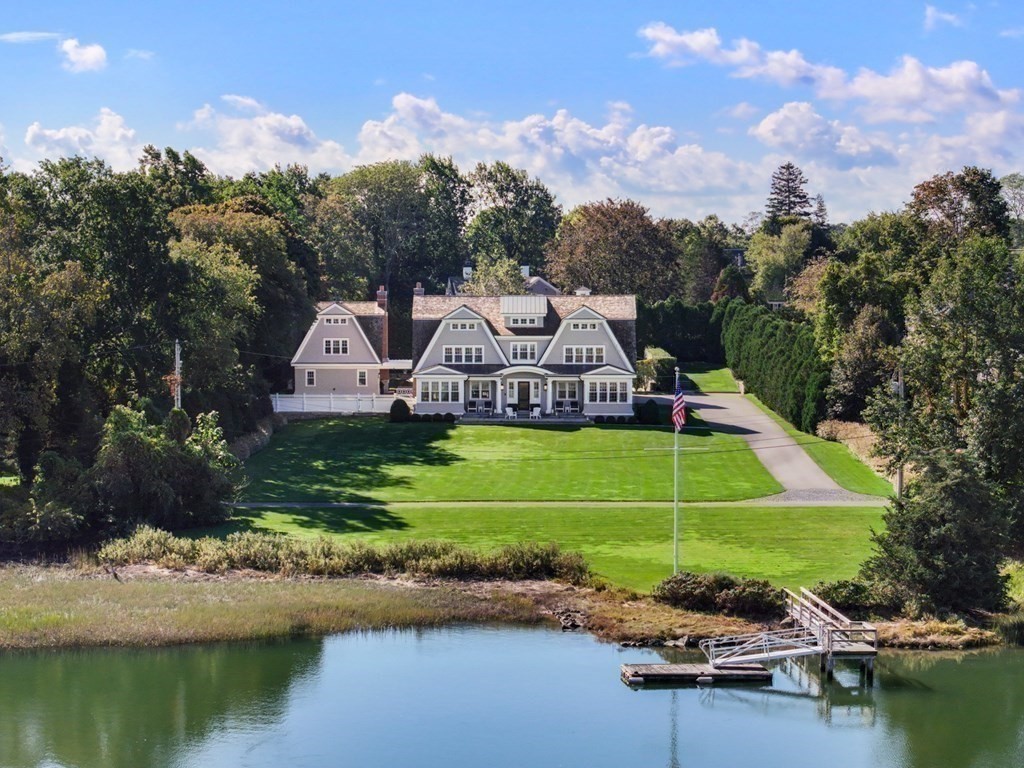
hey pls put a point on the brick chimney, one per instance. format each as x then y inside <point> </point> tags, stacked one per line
<point>382,298</point>
<point>418,290</point>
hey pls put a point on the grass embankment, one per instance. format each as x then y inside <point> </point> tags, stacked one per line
<point>370,460</point>
<point>51,607</point>
<point>708,377</point>
<point>835,459</point>
<point>630,546</point>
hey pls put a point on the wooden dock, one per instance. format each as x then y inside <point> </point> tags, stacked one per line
<point>693,674</point>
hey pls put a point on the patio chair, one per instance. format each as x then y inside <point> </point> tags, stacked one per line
<point>535,412</point>
<point>471,407</point>
<point>510,412</point>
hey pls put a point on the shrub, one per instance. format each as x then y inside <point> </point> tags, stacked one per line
<point>632,420</point>
<point>649,412</point>
<point>694,591</point>
<point>399,411</point>
<point>1011,628</point>
<point>329,557</point>
<point>415,417</point>
<point>437,417</point>
<point>752,598</point>
<point>599,419</point>
<point>449,417</point>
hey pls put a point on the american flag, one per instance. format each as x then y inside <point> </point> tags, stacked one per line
<point>679,408</point>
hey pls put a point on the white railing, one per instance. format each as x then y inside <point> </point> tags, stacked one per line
<point>760,646</point>
<point>331,403</point>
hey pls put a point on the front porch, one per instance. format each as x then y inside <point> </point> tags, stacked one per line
<point>524,416</point>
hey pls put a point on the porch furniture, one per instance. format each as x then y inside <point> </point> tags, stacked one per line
<point>510,413</point>
<point>535,412</point>
<point>485,408</point>
<point>471,406</point>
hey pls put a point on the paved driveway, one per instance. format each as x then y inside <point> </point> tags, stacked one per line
<point>781,455</point>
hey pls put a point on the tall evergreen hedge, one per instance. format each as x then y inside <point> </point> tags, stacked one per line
<point>776,358</point>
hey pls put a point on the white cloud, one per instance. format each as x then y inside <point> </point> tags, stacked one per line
<point>108,138</point>
<point>741,111</point>
<point>1014,32</point>
<point>28,37</point>
<point>253,142</point>
<point>911,92</point>
<point>796,128</point>
<point>139,53</point>
<point>82,58</point>
<point>933,17</point>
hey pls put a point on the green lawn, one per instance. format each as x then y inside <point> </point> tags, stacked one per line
<point>371,460</point>
<point>709,377</point>
<point>629,546</point>
<point>835,459</point>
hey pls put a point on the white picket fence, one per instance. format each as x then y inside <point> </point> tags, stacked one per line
<point>331,403</point>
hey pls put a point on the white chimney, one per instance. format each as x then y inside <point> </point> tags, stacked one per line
<point>525,269</point>
<point>581,291</point>
<point>467,270</point>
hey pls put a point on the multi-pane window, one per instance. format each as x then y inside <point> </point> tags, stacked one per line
<point>439,391</point>
<point>335,321</point>
<point>311,378</point>
<point>586,355</point>
<point>463,354</point>
<point>463,326</point>
<point>361,378</point>
<point>608,392</point>
<point>580,326</point>
<point>335,346</point>
<point>479,390</point>
<point>520,321</point>
<point>524,351</point>
<point>566,390</point>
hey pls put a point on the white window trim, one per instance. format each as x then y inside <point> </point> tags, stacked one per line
<point>308,377</point>
<point>335,321</point>
<point>518,346</point>
<point>605,392</point>
<point>440,391</point>
<point>463,325</point>
<point>562,389</point>
<point>342,346</point>
<point>448,354</point>
<point>581,351</point>
<point>584,325</point>
<point>364,375</point>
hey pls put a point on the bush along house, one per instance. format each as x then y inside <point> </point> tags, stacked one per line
<point>524,356</point>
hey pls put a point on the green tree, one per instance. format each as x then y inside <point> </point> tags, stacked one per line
<point>788,196</point>
<point>943,543</point>
<point>1013,193</point>
<point>497,277</point>
<point>777,258</point>
<point>731,284</point>
<point>614,246</point>
<point>179,179</point>
<point>516,216</point>
<point>700,256</point>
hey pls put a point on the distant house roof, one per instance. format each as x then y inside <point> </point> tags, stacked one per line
<point>535,284</point>
<point>619,311</point>
<point>355,307</point>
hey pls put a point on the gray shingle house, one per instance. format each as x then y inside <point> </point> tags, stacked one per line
<point>533,354</point>
<point>345,350</point>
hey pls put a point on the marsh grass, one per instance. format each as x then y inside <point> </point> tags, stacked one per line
<point>48,607</point>
<point>324,556</point>
<point>1011,628</point>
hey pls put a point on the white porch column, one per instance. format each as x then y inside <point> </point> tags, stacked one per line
<point>499,396</point>
<point>551,393</point>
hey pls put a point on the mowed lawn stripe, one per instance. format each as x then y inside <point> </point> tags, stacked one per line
<point>629,546</point>
<point>370,460</point>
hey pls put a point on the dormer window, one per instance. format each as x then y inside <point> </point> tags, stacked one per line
<point>463,326</point>
<point>581,326</point>
<point>335,321</point>
<point>518,322</point>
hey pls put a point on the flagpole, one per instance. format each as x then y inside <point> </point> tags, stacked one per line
<point>675,492</point>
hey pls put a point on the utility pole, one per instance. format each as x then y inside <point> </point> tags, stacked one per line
<point>675,485</point>
<point>177,374</point>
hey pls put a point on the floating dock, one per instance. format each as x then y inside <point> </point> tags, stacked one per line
<point>693,674</point>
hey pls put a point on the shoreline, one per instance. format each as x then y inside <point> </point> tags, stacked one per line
<point>63,607</point>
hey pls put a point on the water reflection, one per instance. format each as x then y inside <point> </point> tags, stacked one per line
<point>135,708</point>
<point>495,697</point>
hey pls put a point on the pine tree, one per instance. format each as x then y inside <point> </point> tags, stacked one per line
<point>788,196</point>
<point>820,214</point>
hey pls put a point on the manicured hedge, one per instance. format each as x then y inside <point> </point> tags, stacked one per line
<point>778,361</point>
<point>776,358</point>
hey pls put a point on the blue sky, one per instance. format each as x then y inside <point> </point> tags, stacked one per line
<point>685,106</point>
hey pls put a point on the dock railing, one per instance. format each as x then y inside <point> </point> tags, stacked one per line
<point>835,631</point>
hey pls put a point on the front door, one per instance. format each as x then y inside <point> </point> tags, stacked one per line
<point>523,402</point>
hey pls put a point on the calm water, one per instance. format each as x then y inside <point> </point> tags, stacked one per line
<point>491,697</point>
